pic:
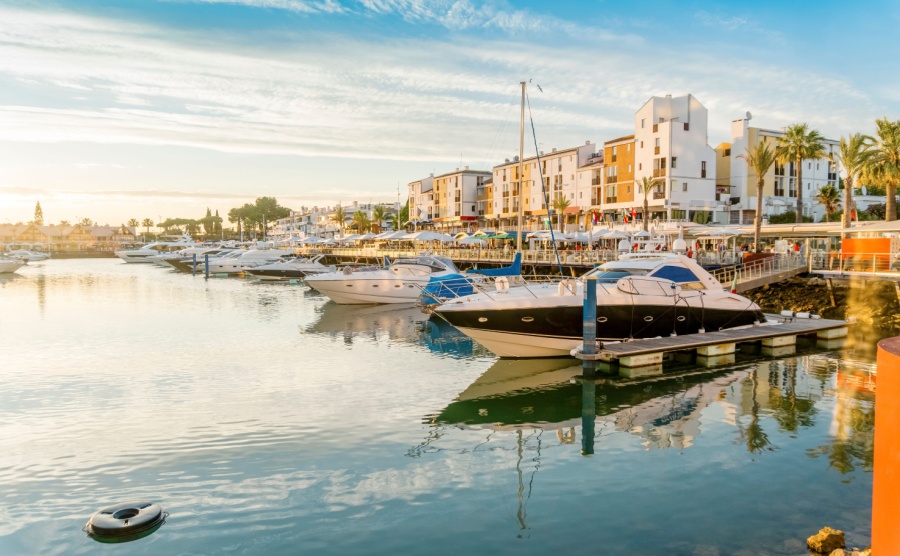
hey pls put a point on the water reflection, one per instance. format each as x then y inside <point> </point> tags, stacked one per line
<point>759,400</point>
<point>404,323</point>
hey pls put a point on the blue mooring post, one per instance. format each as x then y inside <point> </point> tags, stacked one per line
<point>194,270</point>
<point>589,324</point>
<point>206,265</point>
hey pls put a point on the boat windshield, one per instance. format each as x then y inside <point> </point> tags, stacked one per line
<point>612,276</point>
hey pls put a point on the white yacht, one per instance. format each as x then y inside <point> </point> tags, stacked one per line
<point>146,253</point>
<point>297,268</point>
<point>246,260</point>
<point>10,265</point>
<point>26,255</point>
<point>401,282</point>
<point>638,296</point>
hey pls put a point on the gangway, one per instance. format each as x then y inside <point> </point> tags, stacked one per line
<point>761,272</point>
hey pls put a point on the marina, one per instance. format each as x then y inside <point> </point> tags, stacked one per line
<point>282,422</point>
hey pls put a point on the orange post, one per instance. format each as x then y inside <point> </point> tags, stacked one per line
<point>886,487</point>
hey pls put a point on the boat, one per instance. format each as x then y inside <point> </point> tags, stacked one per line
<point>184,260</point>
<point>400,282</point>
<point>147,253</point>
<point>246,260</point>
<point>297,268</point>
<point>638,296</point>
<point>26,255</point>
<point>10,265</point>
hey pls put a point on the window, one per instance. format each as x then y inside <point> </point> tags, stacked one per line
<point>684,186</point>
<point>642,123</point>
<point>642,144</point>
<point>687,126</point>
<point>628,147</point>
<point>640,165</point>
<point>703,169</point>
<point>676,274</point>
<point>629,167</point>
<point>628,189</point>
<point>674,160</point>
<point>727,152</point>
<point>809,166</point>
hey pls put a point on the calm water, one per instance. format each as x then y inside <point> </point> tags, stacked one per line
<point>267,420</point>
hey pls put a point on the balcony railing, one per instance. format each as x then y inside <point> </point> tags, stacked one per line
<point>612,179</point>
<point>659,173</point>
<point>659,195</point>
<point>655,150</point>
<point>610,199</point>
<point>596,181</point>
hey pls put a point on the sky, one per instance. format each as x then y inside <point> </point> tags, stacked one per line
<point>113,110</point>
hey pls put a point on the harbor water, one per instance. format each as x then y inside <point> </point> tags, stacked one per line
<point>267,420</point>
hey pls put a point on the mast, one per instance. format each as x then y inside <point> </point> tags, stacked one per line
<point>520,223</point>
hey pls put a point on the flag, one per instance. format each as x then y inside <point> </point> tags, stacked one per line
<point>734,284</point>
<point>594,218</point>
<point>633,213</point>
<point>625,218</point>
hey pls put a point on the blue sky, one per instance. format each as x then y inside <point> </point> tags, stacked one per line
<point>142,109</point>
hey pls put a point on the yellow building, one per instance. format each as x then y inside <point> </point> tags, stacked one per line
<point>618,177</point>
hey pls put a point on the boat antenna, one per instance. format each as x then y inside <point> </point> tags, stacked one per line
<point>521,218</point>
<point>544,192</point>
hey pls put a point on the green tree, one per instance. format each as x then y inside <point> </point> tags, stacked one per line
<point>64,223</point>
<point>404,214</point>
<point>560,204</point>
<point>361,221</point>
<point>268,210</point>
<point>379,215</point>
<point>339,217</point>
<point>245,217</point>
<point>147,223</point>
<point>38,214</point>
<point>789,217</point>
<point>884,162</point>
<point>134,223</point>
<point>853,155</point>
<point>759,160</point>
<point>830,198</point>
<point>799,143</point>
<point>86,222</point>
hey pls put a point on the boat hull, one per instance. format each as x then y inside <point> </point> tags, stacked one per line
<point>368,291</point>
<point>556,331</point>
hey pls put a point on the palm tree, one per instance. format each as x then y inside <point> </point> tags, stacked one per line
<point>799,143</point>
<point>885,162</point>
<point>830,198</point>
<point>339,217</point>
<point>362,222</point>
<point>147,223</point>
<point>560,204</point>
<point>759,160</point>
<point>853,154</point>
<point>379,215</point>
<point>647,184</point>
<point>134,223</point>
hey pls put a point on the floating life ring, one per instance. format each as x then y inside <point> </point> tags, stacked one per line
<point>125,522</point>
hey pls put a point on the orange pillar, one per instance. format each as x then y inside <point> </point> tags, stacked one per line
<point>886,488</point>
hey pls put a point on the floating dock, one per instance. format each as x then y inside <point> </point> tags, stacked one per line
<point>776,338</point>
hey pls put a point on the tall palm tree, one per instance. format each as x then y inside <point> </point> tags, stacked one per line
<point>362,222</point>
<point>379,215</point>
<point>759,160</point>
<point>560,204</point>
<point>885,162</point>
<point>799,143</point>
<point>647,184</point>
<point>829,197</point>
<point>147,223</point>
<point>339,217</point>
<point>853,155</point>
<point>134,223</point>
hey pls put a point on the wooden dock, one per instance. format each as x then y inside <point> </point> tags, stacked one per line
<point>777,337</point>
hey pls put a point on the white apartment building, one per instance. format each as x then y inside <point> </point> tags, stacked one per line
<point>449,201</point>
<point>779,187</point>
<point>558,169</point>
<point>421,199</point>
<point>671,147</point>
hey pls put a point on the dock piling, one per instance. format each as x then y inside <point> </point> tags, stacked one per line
<point>206,265</point>
<point>589,324</point>
<point>194,264</point>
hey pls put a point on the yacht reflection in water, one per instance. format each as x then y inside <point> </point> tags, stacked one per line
<point>404,323</point>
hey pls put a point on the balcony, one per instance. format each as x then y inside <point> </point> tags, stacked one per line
<point>659,195</point>
<point>610,200</point>
<point>597,181</point>
<point>596,201</point>
<point>655,150</point>
<point>659,173</point>
<point>612,179</point>
<point>655,128</point>
<point>832,176</point>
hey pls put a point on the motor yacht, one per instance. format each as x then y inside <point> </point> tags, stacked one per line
<point>638,296</point>
<point>246,260</point>
<point>147,253</point>
<point>26,255</point>
<point>297,268</point>
<point>10,265</point>
<point>401,282</point>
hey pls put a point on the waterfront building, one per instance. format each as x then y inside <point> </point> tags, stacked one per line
<point>558,170</point>
<point>618,178</point>
<point>447,203</point>
<point>671,148</point>
<point>66,238</point>
<point>738,184</point>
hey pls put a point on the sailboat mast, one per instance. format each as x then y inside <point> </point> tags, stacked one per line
<point>521,219</point>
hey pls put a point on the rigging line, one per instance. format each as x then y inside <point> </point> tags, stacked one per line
<point>502,128</point>
<point>543,190</point>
